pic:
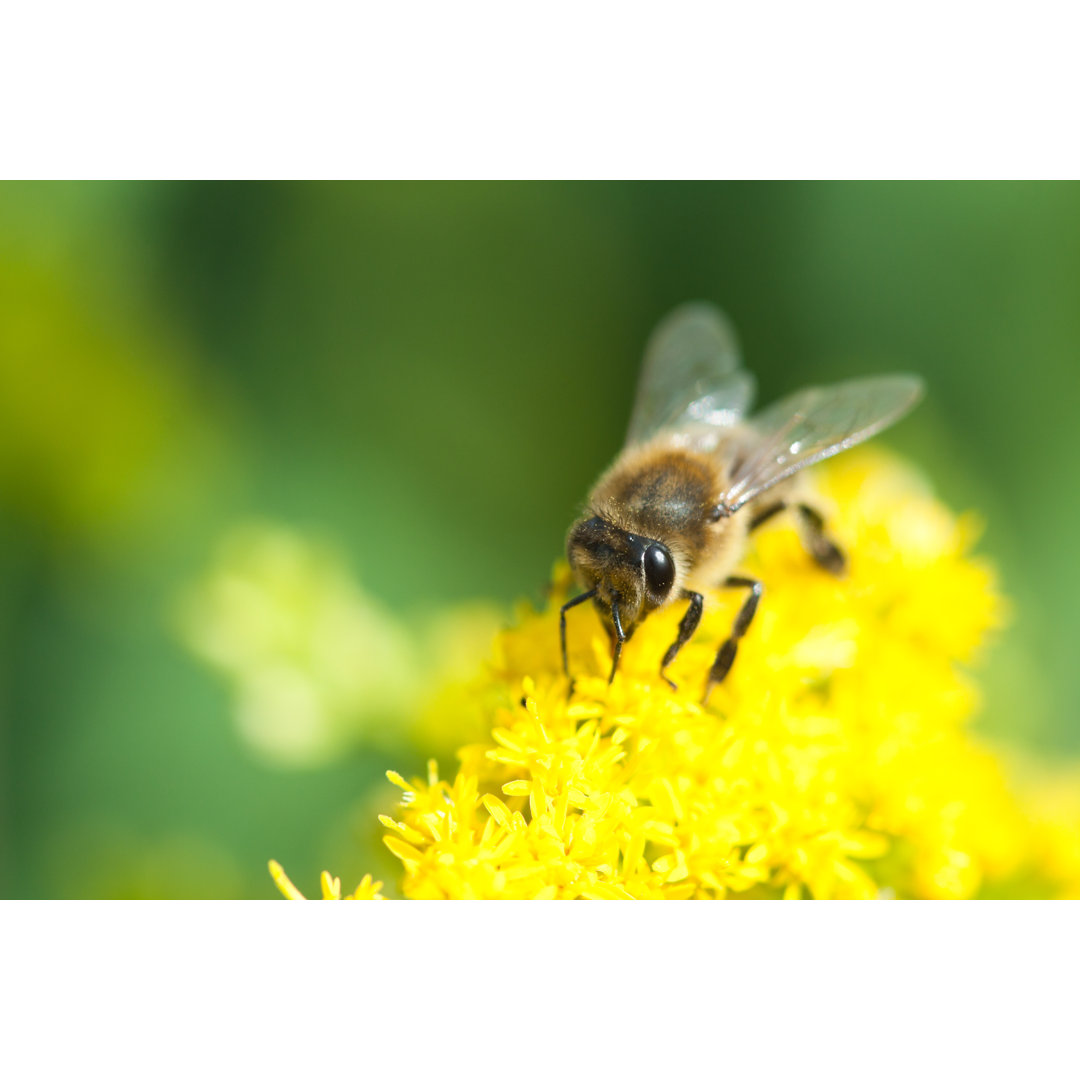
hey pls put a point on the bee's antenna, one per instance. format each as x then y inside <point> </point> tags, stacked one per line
<point>562,624</point>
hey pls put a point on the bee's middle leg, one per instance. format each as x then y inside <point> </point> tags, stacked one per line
<point>725,657</point>
<point>687,626</point>
<point>812,529</point>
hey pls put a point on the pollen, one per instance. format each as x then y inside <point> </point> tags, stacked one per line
<point>835,761</point>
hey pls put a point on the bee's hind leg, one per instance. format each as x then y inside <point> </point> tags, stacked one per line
<point>726,656</point>
<point>825,553</point>
<point>687,626</point>
<point>812,530</point>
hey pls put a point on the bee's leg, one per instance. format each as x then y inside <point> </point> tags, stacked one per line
<point>687,627</point>
<point>767,514</point>
<point>726,656</point>
<point>562,624</point>
<point>824,552</point>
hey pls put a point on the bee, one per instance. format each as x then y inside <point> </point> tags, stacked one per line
<point>670,518</point>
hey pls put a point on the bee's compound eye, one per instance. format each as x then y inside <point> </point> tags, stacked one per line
<point>659,569</point>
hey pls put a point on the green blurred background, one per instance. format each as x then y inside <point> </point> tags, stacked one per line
<point>220,401</point>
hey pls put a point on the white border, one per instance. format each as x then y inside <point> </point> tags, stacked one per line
<point>268,989</point>
<point>561,89</point>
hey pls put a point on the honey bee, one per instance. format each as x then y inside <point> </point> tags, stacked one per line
<point>669,519</point>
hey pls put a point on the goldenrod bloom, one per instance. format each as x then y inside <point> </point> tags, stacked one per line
<point>331,886</point>
<point>834,761</point>
<point>315,663</point>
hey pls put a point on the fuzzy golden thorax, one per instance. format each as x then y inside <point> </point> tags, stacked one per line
<point>656,502</point>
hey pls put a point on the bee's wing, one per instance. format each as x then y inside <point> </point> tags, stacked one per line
<point>814,424</point>
<point>692,376</point>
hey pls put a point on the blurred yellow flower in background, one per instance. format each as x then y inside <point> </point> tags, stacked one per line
<point>305,648</point>
<point>835,761</point>
<point>315,663</point>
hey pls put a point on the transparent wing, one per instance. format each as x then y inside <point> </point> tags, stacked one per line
<point>692,375</point>
<point>814,424</point>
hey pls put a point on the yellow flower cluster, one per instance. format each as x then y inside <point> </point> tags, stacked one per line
<point>331,886</point>
<point>315,663</point>
<point>834,761</point>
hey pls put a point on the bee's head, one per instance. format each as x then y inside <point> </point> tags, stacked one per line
<point>631,575</point>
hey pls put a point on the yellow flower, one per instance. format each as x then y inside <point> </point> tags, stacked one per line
<point>834,761</point>
<point>314,662</point>
<point>331,886</point>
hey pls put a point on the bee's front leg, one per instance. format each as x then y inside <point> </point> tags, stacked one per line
<point>687,626</point>
<point>562,628</point>
<point>725,657</point>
